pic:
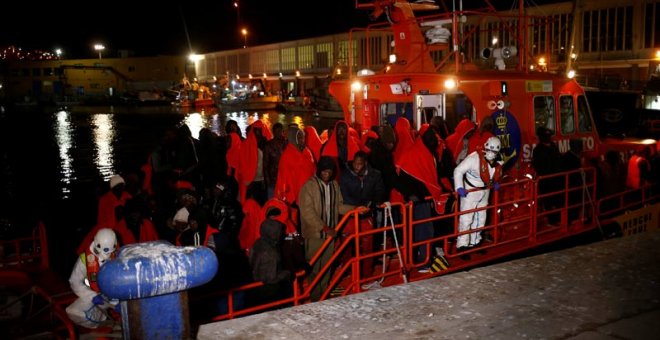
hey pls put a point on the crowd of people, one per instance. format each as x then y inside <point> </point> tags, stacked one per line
<point>267,201</point>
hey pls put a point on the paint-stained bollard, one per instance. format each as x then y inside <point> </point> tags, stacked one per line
<point>151,280</point>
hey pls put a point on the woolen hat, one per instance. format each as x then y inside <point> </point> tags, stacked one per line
<point>182,215</point>
<point>116,180</point>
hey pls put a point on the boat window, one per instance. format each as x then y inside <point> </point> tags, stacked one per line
<point>544,112</point>
<point>390,112</point>
<point>566,114</point>
<point>458,107</point>
<point>584,118</point>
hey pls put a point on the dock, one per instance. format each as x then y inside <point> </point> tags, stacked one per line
<point>603,290</point>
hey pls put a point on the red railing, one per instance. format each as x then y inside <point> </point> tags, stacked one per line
<point>515,221</point>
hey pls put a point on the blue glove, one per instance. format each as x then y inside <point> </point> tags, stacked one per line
<point>98,300</point>
<point>496,186</point>
<point>461,192</point>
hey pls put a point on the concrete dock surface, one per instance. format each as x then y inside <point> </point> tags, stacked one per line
<point>602,290</point>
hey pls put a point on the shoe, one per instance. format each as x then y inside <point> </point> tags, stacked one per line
<point>337,291</point>
<point>424,270</point>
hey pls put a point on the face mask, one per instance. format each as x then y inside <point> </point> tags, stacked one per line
<point>490,155</point>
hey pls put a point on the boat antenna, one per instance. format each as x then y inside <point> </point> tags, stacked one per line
<point>185,28</point>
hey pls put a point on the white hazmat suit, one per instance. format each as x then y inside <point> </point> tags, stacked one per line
<point>468,176</point>
<point>86,311</point>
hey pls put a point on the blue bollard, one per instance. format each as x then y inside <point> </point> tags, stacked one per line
<point>151,279</point>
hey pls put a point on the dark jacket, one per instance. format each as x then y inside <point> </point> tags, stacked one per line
<point>367,190</point>
<point>265,257</point>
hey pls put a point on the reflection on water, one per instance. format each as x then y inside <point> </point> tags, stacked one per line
<point>63,136</point>
<point>104,135</point>
<point>110,133</point>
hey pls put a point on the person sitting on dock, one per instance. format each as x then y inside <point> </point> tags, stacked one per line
<point>91,308</point>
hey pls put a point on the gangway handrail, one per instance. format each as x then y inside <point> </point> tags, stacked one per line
<point>512,233</point>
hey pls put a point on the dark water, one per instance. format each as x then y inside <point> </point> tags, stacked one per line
<point>55,163</point>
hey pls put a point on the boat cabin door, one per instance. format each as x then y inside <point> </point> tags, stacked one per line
<point>427,106</point>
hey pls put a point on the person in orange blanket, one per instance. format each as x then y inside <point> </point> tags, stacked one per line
<point>418,178</point>
<point>313,141</point>
<point>132,228</point>
<point>458,141</point>
<point>252,216</point>
<point>480,136</point>
<point>340,146</point>
<point>250,171</point>
<point>295,167</point>
<point>112,202</point>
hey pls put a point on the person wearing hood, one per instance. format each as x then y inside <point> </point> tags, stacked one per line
<point>266,263</point>
<point>296,166</point>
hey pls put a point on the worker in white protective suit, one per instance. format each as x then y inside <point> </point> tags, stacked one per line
<point>92,308</point>
<point>473,178</point>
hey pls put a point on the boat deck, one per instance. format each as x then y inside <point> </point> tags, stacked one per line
<point>602,290</point>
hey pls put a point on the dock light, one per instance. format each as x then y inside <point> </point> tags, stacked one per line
<point>338,72</point>
<point>356,86</point>
<point>297,74</point>
<point>392,58</point>
<point>494,41</point>
<point>193,57</point>
<point>657,54</point>
<point>570,74</point>
<point>99,48</point>
<point>250,75</point>
<point>280,74</point>
<point>450,84</point>
<point>265,76</point>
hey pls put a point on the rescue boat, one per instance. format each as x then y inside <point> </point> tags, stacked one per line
<point>443,64</point>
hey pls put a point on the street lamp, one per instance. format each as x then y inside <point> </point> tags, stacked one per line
<point>244,32</point>
<point>99,48</point>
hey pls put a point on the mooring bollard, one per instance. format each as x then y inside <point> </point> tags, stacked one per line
<point>150,279</point>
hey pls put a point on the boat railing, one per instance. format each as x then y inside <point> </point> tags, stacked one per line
<point>515,221</point>
<point>463,48</point>
<point>29,252</point>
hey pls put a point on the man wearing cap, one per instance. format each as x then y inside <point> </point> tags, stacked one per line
<point>111,203</point>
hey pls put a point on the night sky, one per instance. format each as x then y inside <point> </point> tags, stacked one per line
<point>158,29</point>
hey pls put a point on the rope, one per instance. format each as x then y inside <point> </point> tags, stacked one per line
<point>388,216</point>
<point>591,202</point>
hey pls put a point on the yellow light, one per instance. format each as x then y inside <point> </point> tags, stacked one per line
<point>250,75</point>
<point>265,75</point>
<point>657,54</point>
<point>571,74</point>
<point>392,58</point>
<point>338,71</point>
<point>450,84</point>
<point>356,86</point>
<point>542,61</point>
<point>297,73</point>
